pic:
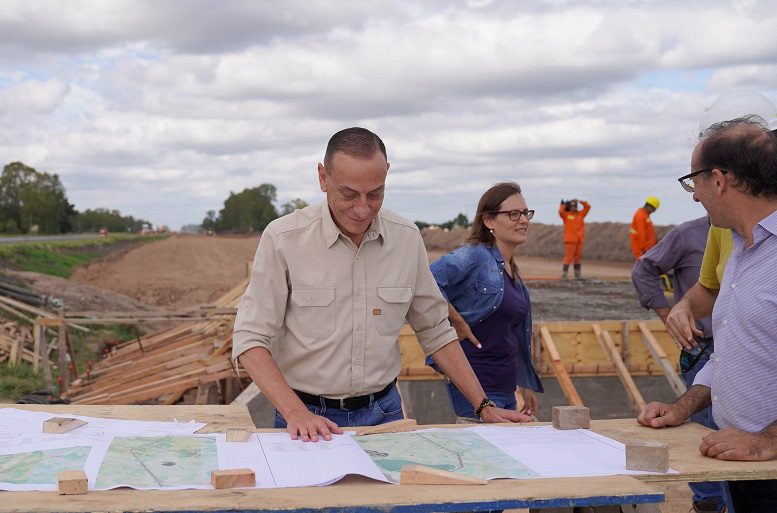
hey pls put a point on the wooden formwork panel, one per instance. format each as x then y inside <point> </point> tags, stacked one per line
<point>577,345</point>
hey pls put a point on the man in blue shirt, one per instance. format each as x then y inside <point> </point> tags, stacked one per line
<point>681,251</point>
<point>734,176</point>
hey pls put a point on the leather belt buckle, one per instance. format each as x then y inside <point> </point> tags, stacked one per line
<point>342,404</point>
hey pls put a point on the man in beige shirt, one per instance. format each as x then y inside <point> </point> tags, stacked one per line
<point>332,285</point>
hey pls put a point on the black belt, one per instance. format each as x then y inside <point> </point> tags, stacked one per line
<point>349,403</point>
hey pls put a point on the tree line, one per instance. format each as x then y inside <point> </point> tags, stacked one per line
<point>249,211</point>
<point>253,209</point>
<point>33,201</point>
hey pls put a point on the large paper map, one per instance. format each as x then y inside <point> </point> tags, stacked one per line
<point>458,451</point>
<point>158,462</point>
<point>41,466</point>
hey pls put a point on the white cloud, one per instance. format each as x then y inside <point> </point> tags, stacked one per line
<point>160,109</point>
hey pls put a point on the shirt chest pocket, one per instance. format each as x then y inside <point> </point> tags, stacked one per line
<point>314,310</point>
<point>393,303</point>
<point>486,289</point>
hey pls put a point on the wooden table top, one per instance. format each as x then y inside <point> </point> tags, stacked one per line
<point>355,493</point>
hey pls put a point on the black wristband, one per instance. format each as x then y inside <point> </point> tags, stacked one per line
<point>483,404</point>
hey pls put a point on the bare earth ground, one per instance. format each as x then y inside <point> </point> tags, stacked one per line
<point>177,272</point>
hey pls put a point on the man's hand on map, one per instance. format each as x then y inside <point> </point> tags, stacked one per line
<point>491,415</point>
<point>307,426</point>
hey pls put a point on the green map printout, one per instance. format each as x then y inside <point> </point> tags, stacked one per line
<point>41,467</point>
<point>158,462</point>
<point>463,452</point>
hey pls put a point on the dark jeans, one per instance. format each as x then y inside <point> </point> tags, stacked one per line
<point>386,409</point>
<point>754,496</point>
<point>710,489</point>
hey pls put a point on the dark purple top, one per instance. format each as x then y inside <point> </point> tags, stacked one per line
<point>496,364</point>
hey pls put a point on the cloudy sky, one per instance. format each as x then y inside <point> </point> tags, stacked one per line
<point>160,108</point>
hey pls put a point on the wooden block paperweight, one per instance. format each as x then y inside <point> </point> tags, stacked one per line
<point>571,417</point>
<point>233,478</point>
<point>647,456</point>
<point>397,426</point>
<point>238,435</point>
<point>59,425</point>
<point>421,474</point>
<point>72,482</point>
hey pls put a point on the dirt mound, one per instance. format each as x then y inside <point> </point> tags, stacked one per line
<point>603,241</point>
<point>176,272</point>
<point>78,296</point>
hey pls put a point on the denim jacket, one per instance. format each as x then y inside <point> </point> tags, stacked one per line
<point>470,278</point>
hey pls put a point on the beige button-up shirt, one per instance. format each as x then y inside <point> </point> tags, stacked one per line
<point>329,312</point>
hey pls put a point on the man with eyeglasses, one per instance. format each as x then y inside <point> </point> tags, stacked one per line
<point>331,287</point>
<point>643,235</point>
<point>734,176</point>
<point>574,234</point>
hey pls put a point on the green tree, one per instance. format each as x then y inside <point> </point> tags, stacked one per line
<point>460,221</point>
<point>211,221</point>
<point>248,211</point>
<point>30,197</point>
<point>291,206</point>
<point>92,220</point>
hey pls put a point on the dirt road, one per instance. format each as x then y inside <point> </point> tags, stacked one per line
<point>176,272</point>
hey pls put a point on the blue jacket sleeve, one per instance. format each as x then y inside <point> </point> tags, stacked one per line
<point>451,269</point>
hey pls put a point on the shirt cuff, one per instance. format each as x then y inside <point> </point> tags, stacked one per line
<point>435,338</point>
<point>242,341</point>
<point>704,376</point>
<point>657,301</point>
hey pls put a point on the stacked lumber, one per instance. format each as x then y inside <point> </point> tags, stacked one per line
<point>16,343</point>
<point>187,363</point>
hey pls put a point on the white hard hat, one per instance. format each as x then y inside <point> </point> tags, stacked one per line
<point>736,105</point>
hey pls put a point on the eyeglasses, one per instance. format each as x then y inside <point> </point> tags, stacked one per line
<point>515,215</point>
<point>687,182</point>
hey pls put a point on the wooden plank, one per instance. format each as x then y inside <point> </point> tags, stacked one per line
<point>64,367</point>
<point>573,398</point>
<point>675,381</point>
<point>36,345</point>
<point>16,351</point>
<point>608,346</point>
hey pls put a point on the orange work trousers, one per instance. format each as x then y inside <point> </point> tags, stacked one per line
<point>573,252</point>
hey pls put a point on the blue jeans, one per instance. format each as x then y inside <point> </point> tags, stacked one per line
<point>386,409</point>
<point>710,489</point>
<point>463,408</point>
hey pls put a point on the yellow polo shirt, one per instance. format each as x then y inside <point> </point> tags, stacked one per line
<point>719,244</point>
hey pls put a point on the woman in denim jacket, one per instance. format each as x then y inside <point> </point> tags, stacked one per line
<point>488,303</point>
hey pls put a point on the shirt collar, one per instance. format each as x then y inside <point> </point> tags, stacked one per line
<point>765,227</point>
<point>332,232</point>
<point>497,254</point>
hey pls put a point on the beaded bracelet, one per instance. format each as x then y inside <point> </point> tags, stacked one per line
<point>483,404</point>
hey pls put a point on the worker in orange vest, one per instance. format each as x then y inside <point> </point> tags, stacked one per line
<point>574,233</point>
<point>643,236</point>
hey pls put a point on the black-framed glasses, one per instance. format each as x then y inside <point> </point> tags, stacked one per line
<point>515,215</point>
<point>687,180</point>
